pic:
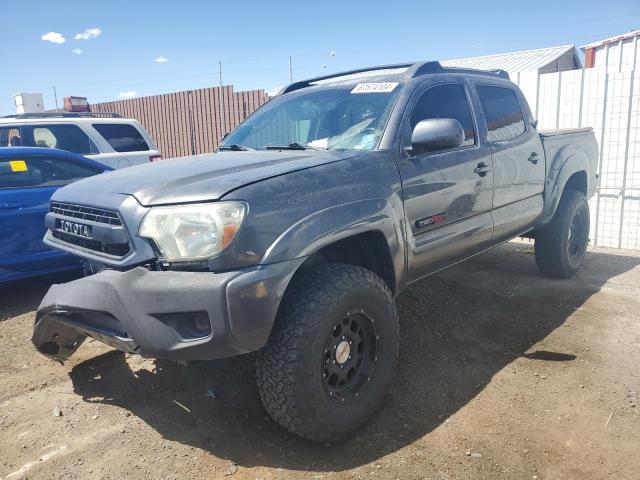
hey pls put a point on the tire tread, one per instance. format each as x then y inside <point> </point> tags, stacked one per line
<point>311,290</point>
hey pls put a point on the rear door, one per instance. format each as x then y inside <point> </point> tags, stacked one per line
<point>518,159</point>
<point>126,144</point>
<point>26,185</point>
<point>447,197</point>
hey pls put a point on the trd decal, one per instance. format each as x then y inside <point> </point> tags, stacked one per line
<point>425,222</point>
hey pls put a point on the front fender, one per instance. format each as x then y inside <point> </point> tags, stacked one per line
<point>320,229</point>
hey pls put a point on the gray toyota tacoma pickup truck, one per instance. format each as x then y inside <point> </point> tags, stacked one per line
<point>293,239</point>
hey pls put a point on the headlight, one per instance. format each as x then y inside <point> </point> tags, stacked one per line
<point>192,232</point>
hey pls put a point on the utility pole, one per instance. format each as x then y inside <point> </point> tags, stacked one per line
<point>55,95</point>
<point>290,70</point>
<point>222,132</point>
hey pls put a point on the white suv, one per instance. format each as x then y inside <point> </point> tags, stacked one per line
<point>104,137</point>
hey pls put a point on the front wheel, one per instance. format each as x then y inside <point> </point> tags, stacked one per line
<point>332,355</point>
<point>561,245</point>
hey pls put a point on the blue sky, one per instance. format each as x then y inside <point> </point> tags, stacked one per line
<point>118,42</point>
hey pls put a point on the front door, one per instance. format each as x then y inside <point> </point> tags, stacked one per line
<point>447,194</point>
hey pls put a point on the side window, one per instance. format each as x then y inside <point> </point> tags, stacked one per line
<point>41,171</point>
<point>505,120</point>
<point>10,137</point>
<point>446,101</point>
<point>122,137</point>
<point>64,137</point>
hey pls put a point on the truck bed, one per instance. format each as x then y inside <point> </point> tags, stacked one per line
<point>563,131</point>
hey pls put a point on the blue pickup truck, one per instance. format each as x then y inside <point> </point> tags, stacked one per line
<point>28,178</point>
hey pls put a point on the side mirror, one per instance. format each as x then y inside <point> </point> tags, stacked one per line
<point>436,134</point>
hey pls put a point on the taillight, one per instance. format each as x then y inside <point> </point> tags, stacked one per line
<point>155,158</point>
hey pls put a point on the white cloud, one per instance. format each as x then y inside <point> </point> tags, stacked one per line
<point>77,51</point>
<point>53,37</point>
<point>129,94</point>
<point>88,33</point>
<point>161,59</point>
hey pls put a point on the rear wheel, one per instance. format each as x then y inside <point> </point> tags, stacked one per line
<point>561,245</point>
<point>332,355</point>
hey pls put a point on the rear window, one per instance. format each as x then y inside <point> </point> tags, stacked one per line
<point>41,171</point>
<point>122,137</point>
<point>505,119</point>
<point>64,137</point>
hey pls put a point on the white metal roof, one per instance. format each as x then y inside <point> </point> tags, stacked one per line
<point>615,38</point>
<point>517,61</point>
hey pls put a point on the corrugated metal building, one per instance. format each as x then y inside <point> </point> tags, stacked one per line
<point>619,53</point>
<point>541,60</point>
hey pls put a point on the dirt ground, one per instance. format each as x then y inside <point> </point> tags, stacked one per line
<point>503,374</point>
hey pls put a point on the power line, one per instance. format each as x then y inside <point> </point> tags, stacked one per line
<point>236,61</point>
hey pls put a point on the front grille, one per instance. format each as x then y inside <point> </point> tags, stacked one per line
<point>115,249</point>
<point>79,212</point>
<point>108,218</point>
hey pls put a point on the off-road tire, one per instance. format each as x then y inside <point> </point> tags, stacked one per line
<point>558,254</point>
<point>290,367</point>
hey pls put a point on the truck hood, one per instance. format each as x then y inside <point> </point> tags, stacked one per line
<point>196,178</point>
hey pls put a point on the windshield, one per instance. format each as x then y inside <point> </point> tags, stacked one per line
<point>341,118</point>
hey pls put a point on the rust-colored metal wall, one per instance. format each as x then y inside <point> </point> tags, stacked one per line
<point>188,122</point>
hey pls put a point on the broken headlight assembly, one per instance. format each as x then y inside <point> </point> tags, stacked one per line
<point>192,232</point>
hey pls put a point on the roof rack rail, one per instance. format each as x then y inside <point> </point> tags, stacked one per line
<point>414,69</point>
<point>497,72</point>
<point>424,68</point>
<point>22,116</point>
<point>305,83</point>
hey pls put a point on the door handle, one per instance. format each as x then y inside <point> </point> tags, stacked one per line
<point>533,158</point>
<point>482,169</point>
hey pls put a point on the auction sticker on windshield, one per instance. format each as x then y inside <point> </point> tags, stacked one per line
<point>378,87</point>
<point>18,165</point>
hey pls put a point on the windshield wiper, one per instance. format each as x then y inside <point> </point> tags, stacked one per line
<point>234,147</point>
<point>291,146</point>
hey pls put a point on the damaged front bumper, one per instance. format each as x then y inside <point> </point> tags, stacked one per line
<point>174,315</point>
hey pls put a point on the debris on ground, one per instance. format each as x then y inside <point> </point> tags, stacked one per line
<point>468,389</point>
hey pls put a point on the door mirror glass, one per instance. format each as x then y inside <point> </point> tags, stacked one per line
<point>436,134</point>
